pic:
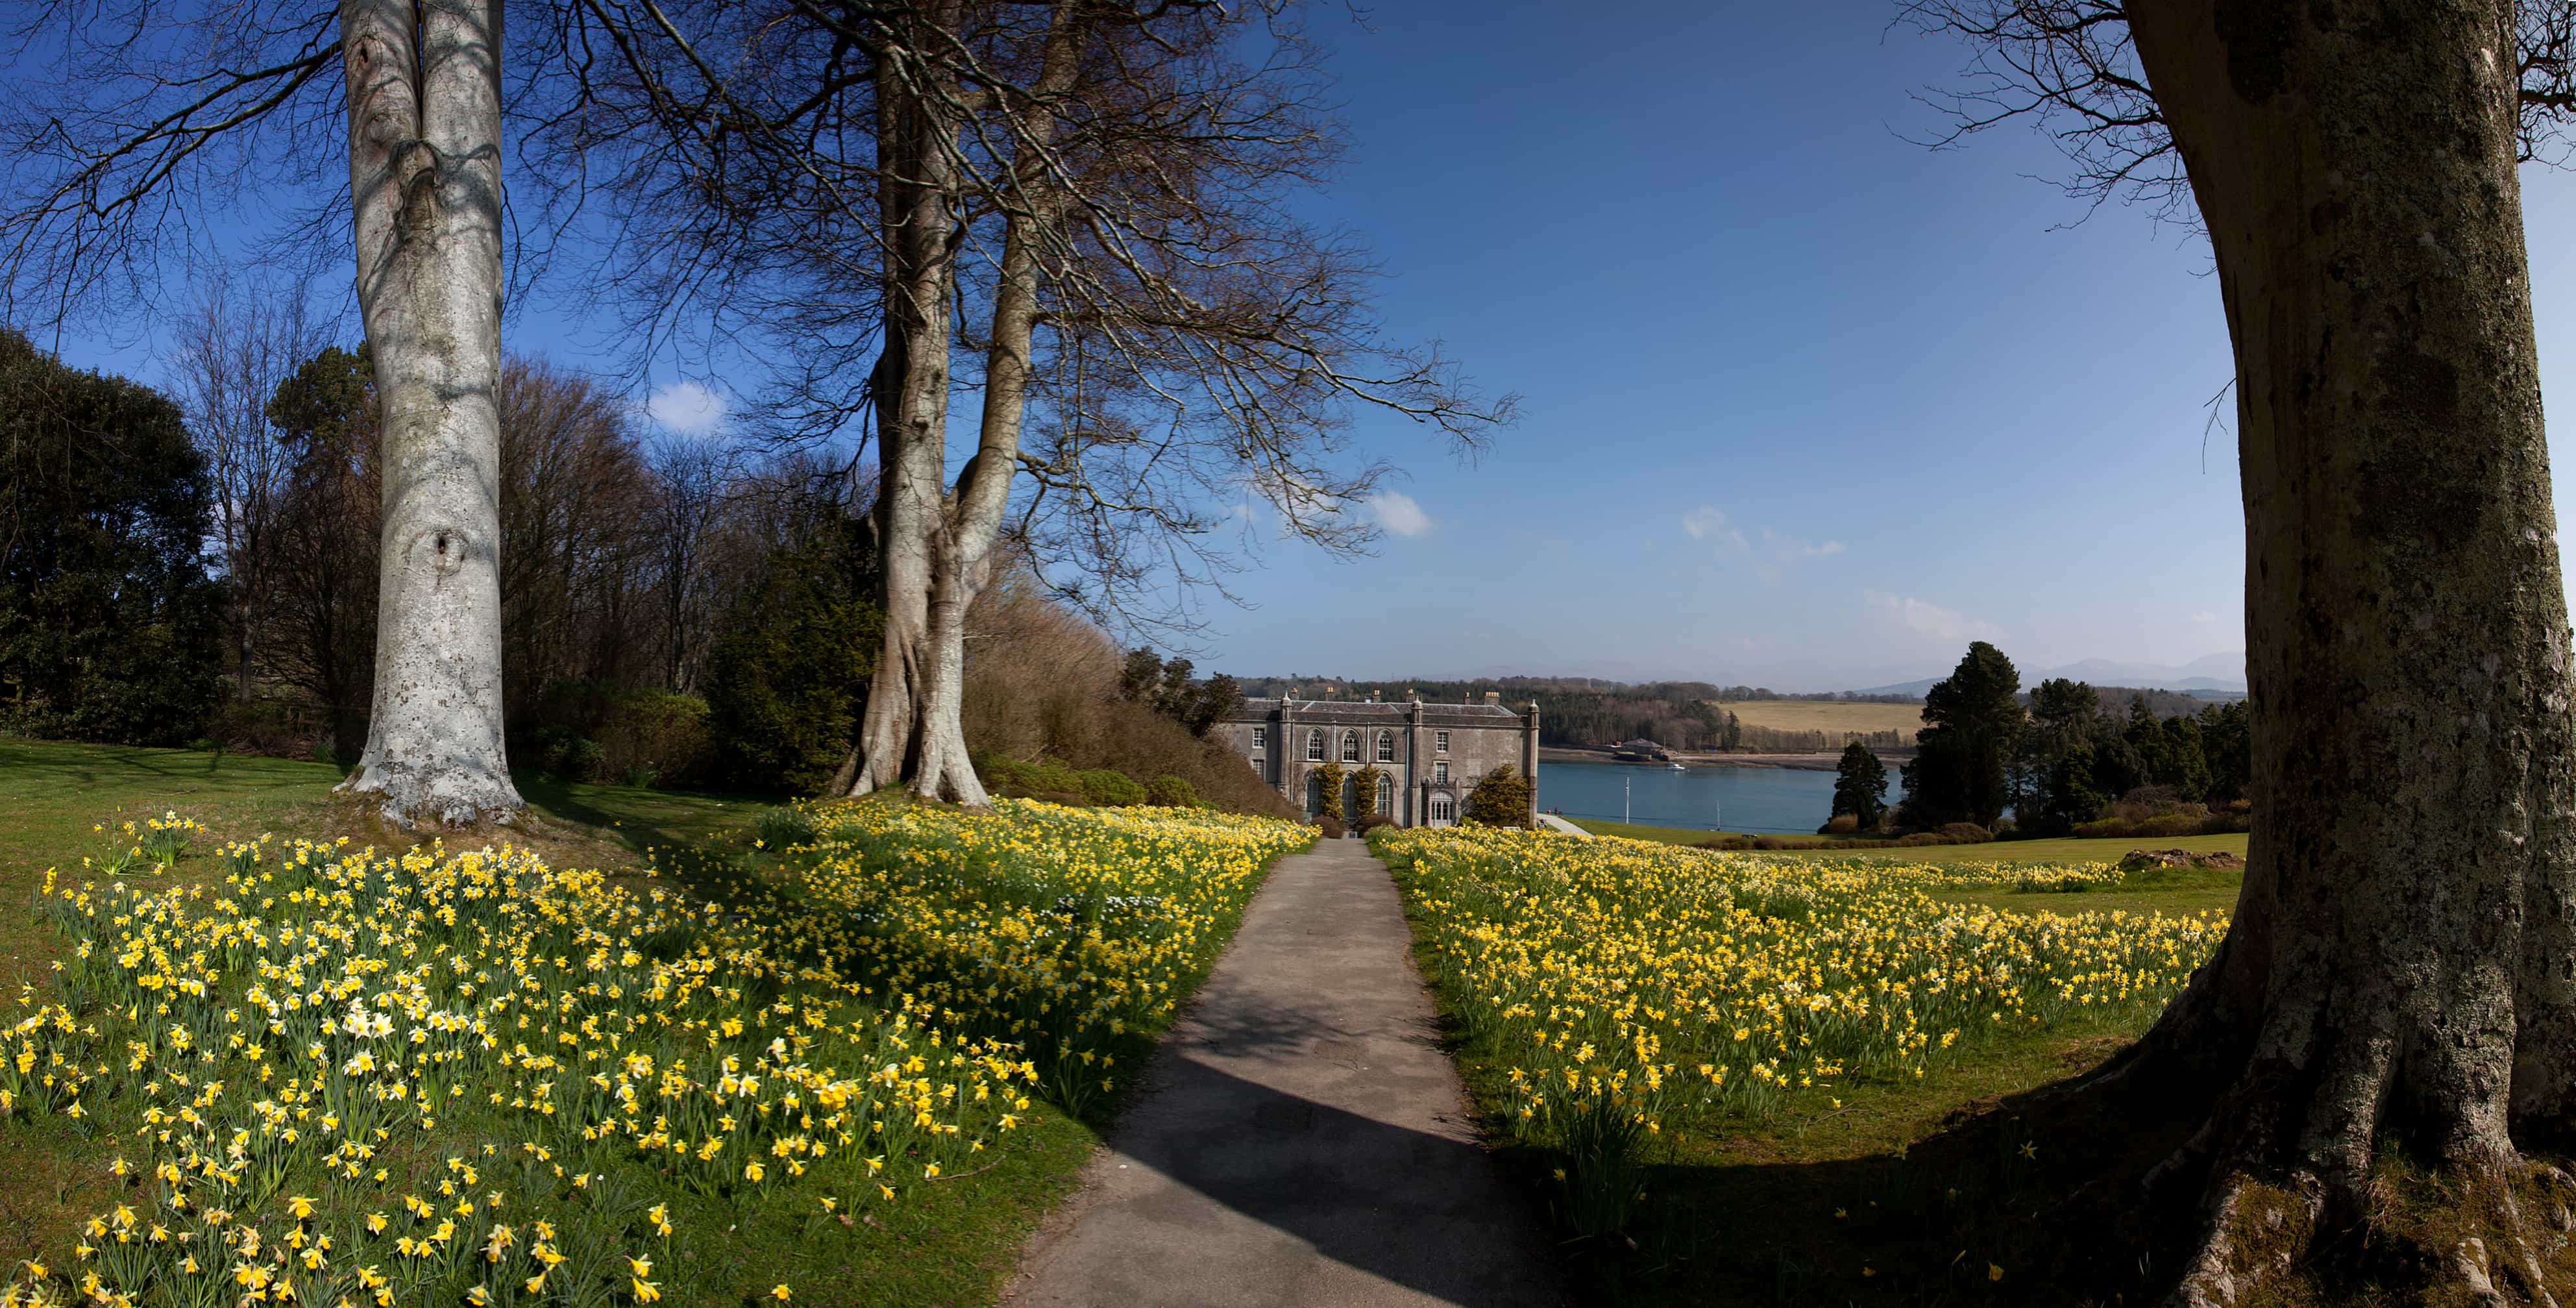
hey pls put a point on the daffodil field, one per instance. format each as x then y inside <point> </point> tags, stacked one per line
<point>329,1075</point>
<point>1622,986</point>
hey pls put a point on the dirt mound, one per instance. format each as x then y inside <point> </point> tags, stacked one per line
<point>2138,858</point>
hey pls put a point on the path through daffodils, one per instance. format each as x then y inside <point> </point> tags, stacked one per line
<point>1301,1138</point>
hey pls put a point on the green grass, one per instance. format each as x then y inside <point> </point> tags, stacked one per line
<point>953,1244</point>
<point>1882,1190</point>
<point>2063,850</point>
<point>2183,891</point>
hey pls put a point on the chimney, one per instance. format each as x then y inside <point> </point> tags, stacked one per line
<point>1494,699</point>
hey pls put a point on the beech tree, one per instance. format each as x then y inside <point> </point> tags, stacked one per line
<point>115,156</point>
<point>1075,213</point>
<point>2402,964</point>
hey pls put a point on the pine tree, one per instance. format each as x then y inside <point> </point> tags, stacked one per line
<point>1972,726</point>
<point>1860,786</point>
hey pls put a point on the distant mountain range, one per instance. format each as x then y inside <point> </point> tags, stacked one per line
<point>2219,675</point>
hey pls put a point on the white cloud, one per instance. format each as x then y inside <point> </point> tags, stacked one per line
<point>2204,616</point>
<point>1398,513</point>
<point>1926,618</point>
<point>687,407</point>
<point>1791,549</point>
<point>1699,522</point>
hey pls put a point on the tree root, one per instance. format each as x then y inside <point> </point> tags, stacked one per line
<point>2256,1234</point>
<point>2457,1236</point>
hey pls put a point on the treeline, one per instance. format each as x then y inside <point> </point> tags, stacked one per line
<point>203,570</point>
<point>1574,712</point>
<point>2060,761</point>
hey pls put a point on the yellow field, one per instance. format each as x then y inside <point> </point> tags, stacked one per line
<point>1821,715</point>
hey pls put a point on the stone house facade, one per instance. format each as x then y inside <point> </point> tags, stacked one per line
<point>1429,756</point>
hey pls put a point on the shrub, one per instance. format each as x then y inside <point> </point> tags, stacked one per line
<point>1111,787</point>
<point>1168,791</point>
<point>1843,824</point>
<point>1921,838</point>
<point>1331,827</point>
<point>1965,833</point>
<point>2171,824</point>
<point>1502,799</point>
<point>1373,821</point>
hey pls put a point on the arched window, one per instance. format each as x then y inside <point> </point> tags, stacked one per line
<point>1314,795</point>
<point>1385,795</point>
<point>1350,747</point>
<point>1386,747</point>
<point>1439,810</point>
<point>1315,745</point>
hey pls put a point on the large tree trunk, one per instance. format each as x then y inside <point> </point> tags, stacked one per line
<point>905,736</point>
<point>2399,965</point>
<point>425,173</point>
<point>937,547</point>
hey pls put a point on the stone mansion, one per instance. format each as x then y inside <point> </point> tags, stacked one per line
<point>1428,756</point>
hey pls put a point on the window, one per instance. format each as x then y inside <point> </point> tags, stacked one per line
<point>1315,745</point>
<point>1385,795</point>
<point>1440,741</point>
<point>1439,810</point>
<point>1440,770</point>
<point>1386,747</point>
<point>1260,738</point>
<point>1350,747</point>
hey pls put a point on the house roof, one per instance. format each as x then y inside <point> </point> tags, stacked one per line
<point>1354,710</point>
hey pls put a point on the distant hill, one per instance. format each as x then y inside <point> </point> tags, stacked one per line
<point>2215,677</point>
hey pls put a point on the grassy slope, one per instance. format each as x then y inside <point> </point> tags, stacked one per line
<point>955,1246</point>
<point>2067,850</point>
<point>1819,715</point>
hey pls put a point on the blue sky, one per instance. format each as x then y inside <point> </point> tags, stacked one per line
<point>1806,404</point>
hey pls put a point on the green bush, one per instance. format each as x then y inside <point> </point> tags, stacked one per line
<point>1502,799</point>
<point>1168,791</point>
<point>1965,833</point>
<point>599,731</point>
<point>1109,787</point>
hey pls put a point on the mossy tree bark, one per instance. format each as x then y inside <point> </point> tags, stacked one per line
<point>2400,965</point>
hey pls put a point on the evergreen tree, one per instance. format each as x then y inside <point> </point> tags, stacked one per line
<point>2070,795</point>
<point>1860,786</point>
<point>109,625</point>
<point>2227,742</point>
<point>787,683</point>
<point>1972,727</point>
<point>2186,765</point>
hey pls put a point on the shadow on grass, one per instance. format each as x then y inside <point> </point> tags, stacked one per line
<point>2032,1198</point>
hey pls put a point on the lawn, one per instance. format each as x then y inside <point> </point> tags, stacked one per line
<point>890,943</point>
<point>1800,1038</point>
<point>2007,852</point>
<point>1827,716</point>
